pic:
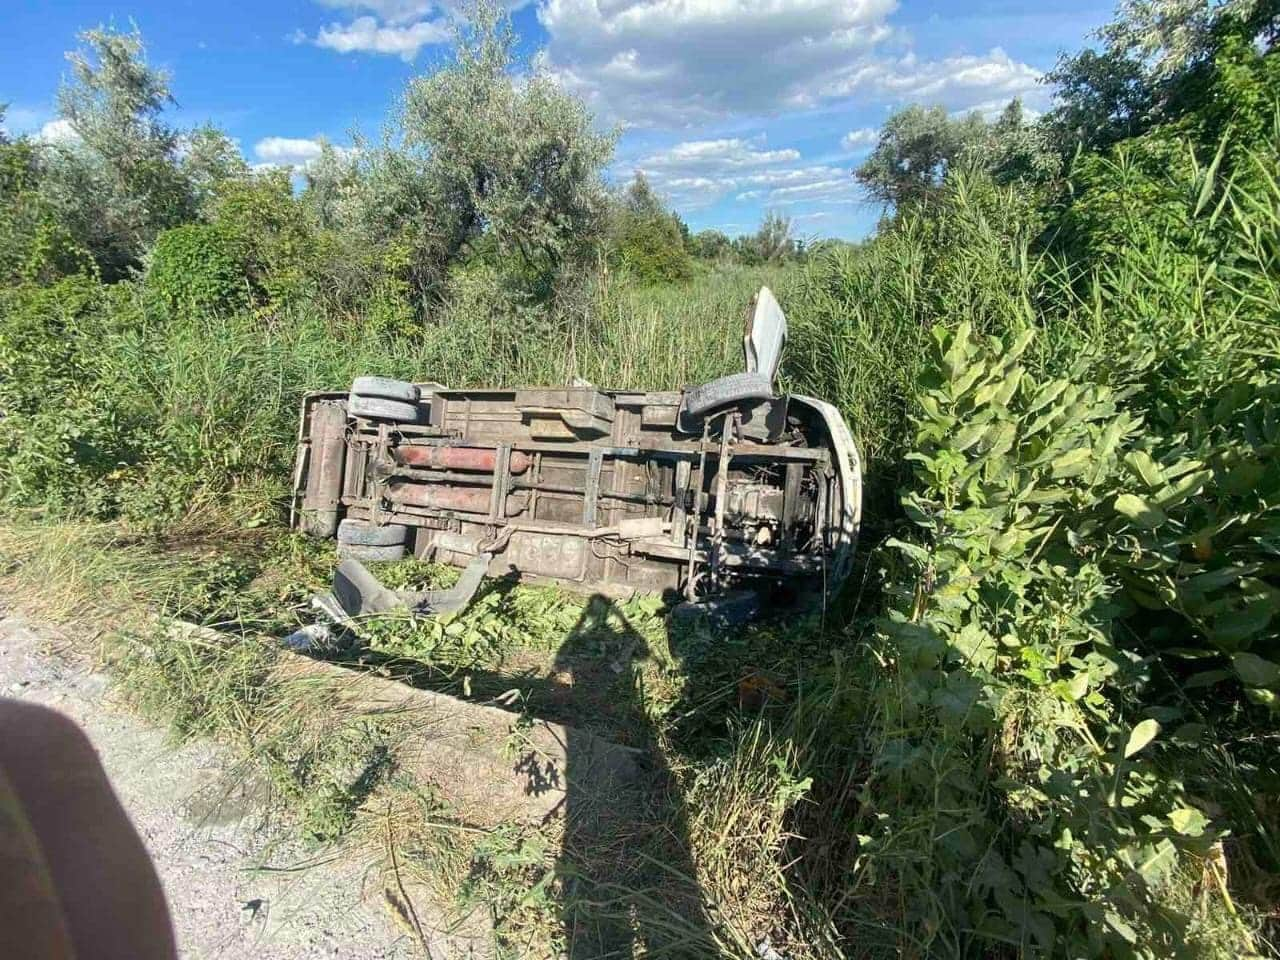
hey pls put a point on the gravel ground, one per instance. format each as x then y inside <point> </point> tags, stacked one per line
<point>233,885</point>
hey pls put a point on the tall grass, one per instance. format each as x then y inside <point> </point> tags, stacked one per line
<point>194,411</point>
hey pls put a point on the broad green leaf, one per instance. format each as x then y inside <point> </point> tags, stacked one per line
<point>1255,671</point>
<point>1262,697</point>
<point>998,390</point>
<point>1078,685</point>
<point>970,435</point>
<point>1006,541</point>
<point>1147,469</point>
<point>1020,344</point>
<point>1107,442</point>
<point>1139,511</point>
<point>1120,926</point>
<point>1157,865</point>
<point>916,552</point>
<point>986,392</point>
<point>1047,394</point>
<point>1188,486</point>
<point>1010,386</point>
<point>1044,420</point>
<point>1205,678</point>
<point>1071,463</point>
<point>1140,736</point>
<point>964,383</point>
<point>999,439</point>
<point>1244,476</point>
<point>1214,579</point>
<point>1188,821</point>
<point>1230,629</point>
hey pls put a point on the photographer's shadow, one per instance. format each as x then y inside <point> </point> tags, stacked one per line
<point>626,872</point>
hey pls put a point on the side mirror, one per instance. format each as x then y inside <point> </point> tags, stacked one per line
<point>765,336</point>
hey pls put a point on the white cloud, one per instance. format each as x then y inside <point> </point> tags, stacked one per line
<point>681,61</point>
<point>958,83</point>
<point>408,11</point>
<point>397,27</point>
<point>389,11</point>
<point>58,131</point>
<point>729,154</point>
<point>815,190</point>
<point>678,62</point>
<point>297,152</point>
<point>367,35</point>
<point>696,173</point>
<point>860,139</point>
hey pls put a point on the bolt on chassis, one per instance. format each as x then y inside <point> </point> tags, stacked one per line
<point>719,496</point>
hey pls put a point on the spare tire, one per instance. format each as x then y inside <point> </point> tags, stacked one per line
<point>364,534</point>
<point>355,551</point>
<point>386,388</point>
<point>726,392</point>
<point>379,408</point>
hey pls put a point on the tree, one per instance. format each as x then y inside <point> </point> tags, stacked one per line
<point>712,245</point>
<point>771,243</point>
<point>210,160</point>
<point>35,244</point>
<point>647,239</point>
<point>1015,150</point>
<point>118,183</point>
<point>1149,68</point>
<point>919,146</point>
<point>512,160</point>
<point>916,148</point>
<point>641,199</point>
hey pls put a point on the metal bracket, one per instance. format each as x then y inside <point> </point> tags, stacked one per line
<point>358,593</point>
<point>594,462</point>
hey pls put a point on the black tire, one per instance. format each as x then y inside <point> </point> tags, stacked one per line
<point>379,408</point>
<point>355,551</point>
<point>361,534</point>
<point>727,391</point>
<point>386,388</point>
<point>734,609</point>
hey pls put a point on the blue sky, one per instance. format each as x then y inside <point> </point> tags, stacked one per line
<point>731,107</point>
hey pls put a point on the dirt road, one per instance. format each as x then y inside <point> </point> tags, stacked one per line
<point>235,888</point>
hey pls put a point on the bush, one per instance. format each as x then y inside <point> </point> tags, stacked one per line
<point>198,268</point>
<point>1009,654</point>
<point>61,434</point>
<point>647,241</point>
<point>651,248</point>
<point>260,219</point>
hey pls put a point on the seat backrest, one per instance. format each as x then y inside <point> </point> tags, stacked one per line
<point>765,336</point>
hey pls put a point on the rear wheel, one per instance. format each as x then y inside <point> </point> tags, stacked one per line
<point>386,388</point>
<point>732,609</point>
<point>355,551</point>
<point>362,534</point>
<point>379,408</point>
